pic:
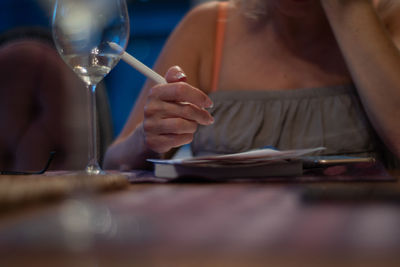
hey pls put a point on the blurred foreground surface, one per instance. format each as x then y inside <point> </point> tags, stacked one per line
<point>210,224</point>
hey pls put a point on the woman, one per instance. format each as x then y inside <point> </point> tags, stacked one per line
<point>287,73</point>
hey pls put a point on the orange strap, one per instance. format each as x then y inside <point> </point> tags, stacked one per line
<point>219,41</point>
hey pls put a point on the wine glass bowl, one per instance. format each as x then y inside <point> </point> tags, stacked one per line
<point>82,32</point>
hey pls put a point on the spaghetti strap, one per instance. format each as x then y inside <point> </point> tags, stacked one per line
<point>219,41</point>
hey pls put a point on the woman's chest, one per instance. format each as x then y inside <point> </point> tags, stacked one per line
<point>260,66</point>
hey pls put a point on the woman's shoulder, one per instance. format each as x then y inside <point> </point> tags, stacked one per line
<point>190,43</point>
<point>202,13</point>
<point>205,14</point>
<point>198,26</point>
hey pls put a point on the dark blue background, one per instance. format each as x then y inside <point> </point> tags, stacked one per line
<point>151,22</point>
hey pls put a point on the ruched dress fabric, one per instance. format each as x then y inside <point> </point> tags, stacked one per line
<point>330,117</point>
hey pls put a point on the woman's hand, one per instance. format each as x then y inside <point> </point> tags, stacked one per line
<point>173,111</point>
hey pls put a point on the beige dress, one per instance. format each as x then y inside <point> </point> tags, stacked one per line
<point>331,117</point>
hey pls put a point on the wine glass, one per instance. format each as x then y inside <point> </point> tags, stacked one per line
<point>83,31</point>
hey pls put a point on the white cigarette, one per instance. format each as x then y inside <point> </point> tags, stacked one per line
<point>139,66</point>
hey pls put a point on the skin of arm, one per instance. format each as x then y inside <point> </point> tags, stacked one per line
<point>160,121</point>
<point>372,54</point>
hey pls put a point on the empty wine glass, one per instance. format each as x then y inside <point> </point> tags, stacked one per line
<point>82,32</point>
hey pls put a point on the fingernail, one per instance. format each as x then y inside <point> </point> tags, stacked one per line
<point>209,103</point>
<point>180,76</point>
<point>211,121</point>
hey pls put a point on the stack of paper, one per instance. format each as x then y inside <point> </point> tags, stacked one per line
<point>255,163</point>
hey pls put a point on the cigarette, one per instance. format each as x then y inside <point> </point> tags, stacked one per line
<point>139,66</point>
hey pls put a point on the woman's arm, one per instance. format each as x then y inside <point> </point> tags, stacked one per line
<point>159,121</point>
<point>373,58</point>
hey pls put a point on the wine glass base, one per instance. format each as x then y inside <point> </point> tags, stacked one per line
<point>94,169</point>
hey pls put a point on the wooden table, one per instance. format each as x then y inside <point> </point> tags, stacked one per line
<point>210,224</point>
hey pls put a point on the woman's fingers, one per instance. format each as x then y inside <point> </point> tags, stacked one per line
<point>170,126</point>
<point>175,74</point>
<point>181,92</point>
<point>173,111</point>
<point>162,110</point>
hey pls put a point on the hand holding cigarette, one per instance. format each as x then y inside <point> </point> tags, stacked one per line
<point>172,111</point>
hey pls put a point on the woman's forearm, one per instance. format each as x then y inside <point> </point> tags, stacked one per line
<point>130,153</point>
<point>373,61</point>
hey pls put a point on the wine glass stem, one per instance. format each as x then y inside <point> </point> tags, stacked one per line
<point>93,166</point>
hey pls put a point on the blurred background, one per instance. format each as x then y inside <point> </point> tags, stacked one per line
<point>151,23</point>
